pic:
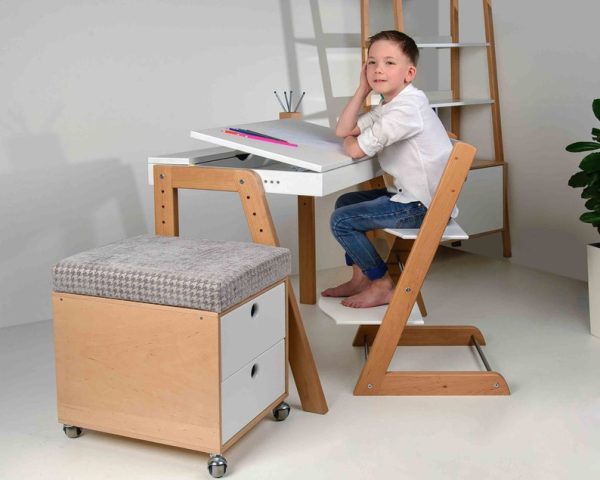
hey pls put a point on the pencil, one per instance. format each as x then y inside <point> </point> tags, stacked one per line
<point>262,139</point>
<point>286,101</point>
<point>279,100</point>
<point>298,104</point>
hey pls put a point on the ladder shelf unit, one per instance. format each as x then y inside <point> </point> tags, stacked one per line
<point>484,202</point>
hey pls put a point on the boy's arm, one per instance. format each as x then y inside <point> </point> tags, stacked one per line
<point>346,124</point>
<point>352,148</point>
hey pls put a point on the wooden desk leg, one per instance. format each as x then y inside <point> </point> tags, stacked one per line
<point>167,179</point>
<point>166,205</point>
<point>506,244</point>
<point>302,361</point>
<point>306,250</point>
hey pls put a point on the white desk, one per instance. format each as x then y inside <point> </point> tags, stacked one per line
<point>277,177</point>
<point>315,167</point>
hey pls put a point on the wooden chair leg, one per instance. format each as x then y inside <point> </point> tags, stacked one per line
<point>398,255</point>
<point>434,383</point>
<point>442,383</point>
<point>375,378</point>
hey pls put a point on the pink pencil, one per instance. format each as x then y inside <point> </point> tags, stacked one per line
<point>262,139</point>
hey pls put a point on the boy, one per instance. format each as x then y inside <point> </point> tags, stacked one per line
<point>412,146</point>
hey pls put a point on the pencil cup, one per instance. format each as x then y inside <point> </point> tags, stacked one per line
<point>294,115</point>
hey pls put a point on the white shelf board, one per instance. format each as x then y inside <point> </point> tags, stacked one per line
<point>459,102</point>
<point>351,41</point>
<point>445,42</point>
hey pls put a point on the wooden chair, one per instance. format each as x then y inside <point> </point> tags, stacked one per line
<point>375,379</point>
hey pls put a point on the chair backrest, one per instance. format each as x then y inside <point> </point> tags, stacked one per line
<point>450,185</point>
<point>438,214</point>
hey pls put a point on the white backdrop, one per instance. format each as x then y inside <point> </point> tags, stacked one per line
<point>90,89</point>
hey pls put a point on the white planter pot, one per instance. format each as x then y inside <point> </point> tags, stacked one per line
<point>593,255</point>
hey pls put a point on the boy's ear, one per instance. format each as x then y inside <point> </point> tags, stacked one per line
<point>410,74</point>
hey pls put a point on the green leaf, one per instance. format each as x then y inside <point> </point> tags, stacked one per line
<point>591,163</point>
<point>590,217</point>
<point>592,204</point>
<point>582,146</point>
<point>580,179</point>
<point>594,179</point>
<point>596,108</point>
<point>595,131</point>
<point>590,192</point>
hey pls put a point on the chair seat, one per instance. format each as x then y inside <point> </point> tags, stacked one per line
<point>453,231</point>
<point>201,274</point>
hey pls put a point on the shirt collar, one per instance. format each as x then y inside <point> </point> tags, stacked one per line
<point>406,90</point>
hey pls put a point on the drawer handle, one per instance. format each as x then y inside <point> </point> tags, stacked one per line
<point>254,310</point>
<point>254,370</point>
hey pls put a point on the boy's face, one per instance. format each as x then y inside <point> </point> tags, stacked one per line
<point>388,69</point>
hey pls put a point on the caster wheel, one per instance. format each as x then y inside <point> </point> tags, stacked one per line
<point>72,431</point>
<point>281,411</point>
<point>217,466</point>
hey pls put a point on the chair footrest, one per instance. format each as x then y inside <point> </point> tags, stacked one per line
<point>342,315</point>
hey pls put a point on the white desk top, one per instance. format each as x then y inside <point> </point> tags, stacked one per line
<point>318,148</point>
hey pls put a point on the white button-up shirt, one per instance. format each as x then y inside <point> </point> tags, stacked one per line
<point>411,144</point>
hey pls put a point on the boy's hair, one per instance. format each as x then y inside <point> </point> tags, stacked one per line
<point>406,44</point>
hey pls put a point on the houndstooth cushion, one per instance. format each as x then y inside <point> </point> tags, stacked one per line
<point>201,274</point>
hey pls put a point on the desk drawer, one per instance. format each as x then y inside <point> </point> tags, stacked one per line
<point>251,389</point>
<point>252,328</point>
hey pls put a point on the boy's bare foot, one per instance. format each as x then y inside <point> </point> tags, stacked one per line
<point>347,289</point>
<point>380,292</point>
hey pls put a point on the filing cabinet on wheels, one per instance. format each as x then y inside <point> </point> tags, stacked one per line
<point>175,341</point>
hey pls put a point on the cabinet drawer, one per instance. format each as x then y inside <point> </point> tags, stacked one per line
<point>252,328</point>
<point>251,389</point>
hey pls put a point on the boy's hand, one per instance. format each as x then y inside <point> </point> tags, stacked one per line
<point>363,85</point>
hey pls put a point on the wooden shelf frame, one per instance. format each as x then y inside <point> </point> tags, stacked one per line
<point>457,103</point>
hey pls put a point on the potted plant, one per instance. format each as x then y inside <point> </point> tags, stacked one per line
<point>588,178</point>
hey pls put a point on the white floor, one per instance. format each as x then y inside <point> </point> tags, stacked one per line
<point>538,338</point>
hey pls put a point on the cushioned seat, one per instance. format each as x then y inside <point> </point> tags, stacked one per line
<point>201,274</point>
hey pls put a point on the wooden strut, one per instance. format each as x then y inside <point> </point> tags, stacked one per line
<point>168,179</point>
<point>374,378</point>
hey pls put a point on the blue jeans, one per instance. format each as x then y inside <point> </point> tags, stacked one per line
<point>359,212</point>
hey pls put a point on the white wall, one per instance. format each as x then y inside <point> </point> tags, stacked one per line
<point>90,89</point>
<point>548,74</point>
